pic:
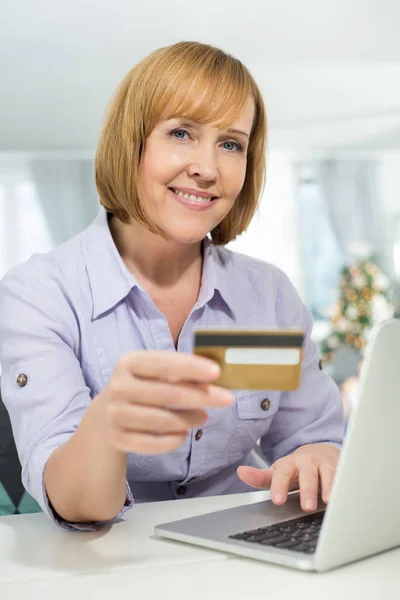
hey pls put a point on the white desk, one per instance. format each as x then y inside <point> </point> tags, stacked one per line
<point>37,560</point>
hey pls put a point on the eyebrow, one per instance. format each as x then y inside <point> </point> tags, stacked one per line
<point>238,131</point>
<point>230,130</point>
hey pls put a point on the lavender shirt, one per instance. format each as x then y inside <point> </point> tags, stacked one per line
<point>67,316</point>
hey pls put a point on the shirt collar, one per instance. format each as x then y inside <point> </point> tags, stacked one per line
<point>217,277</point>
<point>109,278</point>
<point>111,281</point>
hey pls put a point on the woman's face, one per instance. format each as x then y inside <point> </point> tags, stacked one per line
<point>191,174</point>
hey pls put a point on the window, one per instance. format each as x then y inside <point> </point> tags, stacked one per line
<point>321,256</point>
<point>34,233</point>
<point>3,245</point>
<point>23,228</point>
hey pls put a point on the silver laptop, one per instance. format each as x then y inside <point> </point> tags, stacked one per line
<point>363,515</point>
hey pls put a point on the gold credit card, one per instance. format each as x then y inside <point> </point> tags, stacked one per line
<point>253,359</point>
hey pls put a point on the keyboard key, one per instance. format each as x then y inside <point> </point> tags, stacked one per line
<point>240,536</point>
<point>286,544</point>
<point>265,537</point>
<point>272,541</point>
<point>256,531</point>
<point>302,548</point>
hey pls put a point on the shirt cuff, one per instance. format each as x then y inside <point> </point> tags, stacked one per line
<point>37,489</point>
<point>89,526</point>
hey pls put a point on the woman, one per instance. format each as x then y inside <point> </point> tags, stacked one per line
<point>108,404</point>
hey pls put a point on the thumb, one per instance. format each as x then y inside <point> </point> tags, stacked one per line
<point>257,478</point>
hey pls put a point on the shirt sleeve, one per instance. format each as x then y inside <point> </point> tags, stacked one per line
<point>314,412</point>
<point>39,347</point>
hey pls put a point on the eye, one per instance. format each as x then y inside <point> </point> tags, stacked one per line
<point>179,133</point>
<point>234,146</point>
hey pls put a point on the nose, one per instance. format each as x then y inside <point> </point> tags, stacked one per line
<point>203,163</point>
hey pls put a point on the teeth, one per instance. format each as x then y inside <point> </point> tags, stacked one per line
<point>191,196</point>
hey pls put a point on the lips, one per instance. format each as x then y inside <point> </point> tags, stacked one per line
<point>194,195</point>
<point>192,202</point>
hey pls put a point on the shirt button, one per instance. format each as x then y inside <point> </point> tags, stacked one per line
<point>266,404</point>
<point>22,380</point>
<point>181,490</point>
<point>198,435</point>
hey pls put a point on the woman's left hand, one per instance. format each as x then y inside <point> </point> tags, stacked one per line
<point>310,468</point>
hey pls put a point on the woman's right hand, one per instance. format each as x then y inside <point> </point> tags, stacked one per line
<point>154,398</point>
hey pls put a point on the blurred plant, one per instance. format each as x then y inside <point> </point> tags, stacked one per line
<point>365,298</point>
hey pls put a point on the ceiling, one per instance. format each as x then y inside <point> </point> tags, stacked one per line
<point>329,72</point>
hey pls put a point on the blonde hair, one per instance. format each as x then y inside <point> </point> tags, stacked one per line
<point>170,82</point>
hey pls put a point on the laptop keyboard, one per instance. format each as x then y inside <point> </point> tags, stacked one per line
<point>300,535</point>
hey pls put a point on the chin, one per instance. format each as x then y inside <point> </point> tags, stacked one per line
<point>186,235</point>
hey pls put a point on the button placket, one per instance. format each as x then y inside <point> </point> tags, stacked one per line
<point>196,460</point>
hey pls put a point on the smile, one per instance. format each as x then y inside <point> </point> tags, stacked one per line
<point>191,200</point>
<point>191,197</point>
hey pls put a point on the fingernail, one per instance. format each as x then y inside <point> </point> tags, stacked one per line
<point>310,504</point>
<point>278,498</point>
<point>214,368</point>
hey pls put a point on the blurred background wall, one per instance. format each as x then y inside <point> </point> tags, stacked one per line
<point>330,212</point>
<point>330,76</point>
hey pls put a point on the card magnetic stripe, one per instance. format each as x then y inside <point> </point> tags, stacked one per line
<point>249,340</point>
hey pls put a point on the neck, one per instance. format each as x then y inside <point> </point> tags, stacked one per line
<point>150,257</point>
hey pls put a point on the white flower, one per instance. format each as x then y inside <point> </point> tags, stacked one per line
<point>381,310</point>
<point>334,341</point>
<point>351,312</point>
<point>342,324</point>
<point>381,282</point>
<point>359,281</point>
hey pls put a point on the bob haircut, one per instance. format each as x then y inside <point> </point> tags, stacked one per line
<point>168,84</point>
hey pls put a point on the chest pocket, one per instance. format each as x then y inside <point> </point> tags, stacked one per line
<point>255,411</point>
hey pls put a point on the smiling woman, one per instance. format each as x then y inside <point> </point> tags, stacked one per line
<point>107,400</point>
<point>154,123</point>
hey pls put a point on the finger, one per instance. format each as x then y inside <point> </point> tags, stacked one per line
<point>173,366</point>
<point>147,443</point>
<point>257,478</point>
<point>282,478</point>
<point>308,483</point>
<point>164,393</point>
<point>327,475</point>
<point>137,417</point>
